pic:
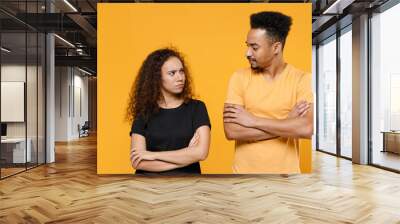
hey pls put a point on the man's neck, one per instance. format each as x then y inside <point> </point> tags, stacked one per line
<point>274,69</point>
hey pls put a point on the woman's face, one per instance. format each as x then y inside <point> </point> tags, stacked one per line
<point>172,76</point>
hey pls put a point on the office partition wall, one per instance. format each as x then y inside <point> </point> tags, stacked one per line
<point>22,79</point>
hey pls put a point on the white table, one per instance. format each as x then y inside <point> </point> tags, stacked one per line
<point>18,145</point>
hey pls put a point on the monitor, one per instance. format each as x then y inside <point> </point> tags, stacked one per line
<point>3,129</point>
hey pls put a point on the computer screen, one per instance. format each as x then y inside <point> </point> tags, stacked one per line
<point>3,129</point>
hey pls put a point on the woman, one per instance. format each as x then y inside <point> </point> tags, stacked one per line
<point>170,132</point>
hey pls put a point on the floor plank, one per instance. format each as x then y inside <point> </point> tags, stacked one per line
<point>70,191</point>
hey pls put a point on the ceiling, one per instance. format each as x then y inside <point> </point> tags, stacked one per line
<point>76,22</point>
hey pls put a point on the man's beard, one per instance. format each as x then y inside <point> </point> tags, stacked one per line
<point>256,69</point>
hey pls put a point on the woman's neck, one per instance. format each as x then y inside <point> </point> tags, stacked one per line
<point>169,101</point>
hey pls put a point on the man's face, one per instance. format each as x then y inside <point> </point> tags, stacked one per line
<point>260,49</point>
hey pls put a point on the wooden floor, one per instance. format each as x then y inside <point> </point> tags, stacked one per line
<point>388,159</point>
<point>5,172</point>
<point>70,191</point>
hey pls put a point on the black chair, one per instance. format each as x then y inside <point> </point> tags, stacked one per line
<point>84,130</point>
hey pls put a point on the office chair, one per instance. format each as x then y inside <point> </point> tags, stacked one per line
<point>84,130</point>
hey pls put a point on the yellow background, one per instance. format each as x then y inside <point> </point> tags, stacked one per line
<point>212,38</point>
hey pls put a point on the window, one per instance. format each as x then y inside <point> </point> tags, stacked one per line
<point>385,89</point>
<point>327,95</point>
<point>22,80</point>
<point>346,75</point>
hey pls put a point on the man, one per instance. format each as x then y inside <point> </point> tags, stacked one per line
<point>269,105</point>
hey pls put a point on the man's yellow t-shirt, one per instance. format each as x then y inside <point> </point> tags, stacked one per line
<point>269,99</point>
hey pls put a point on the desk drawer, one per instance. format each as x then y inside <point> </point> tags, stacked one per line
<point>392,142</point>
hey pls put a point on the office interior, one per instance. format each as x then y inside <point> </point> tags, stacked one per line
<point>49,92</point>
<point>48,81</point>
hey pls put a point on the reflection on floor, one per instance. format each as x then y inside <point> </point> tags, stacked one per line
<point>10,169</point>
<point>387,159</point>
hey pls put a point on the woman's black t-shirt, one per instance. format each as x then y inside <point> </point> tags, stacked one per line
<point>172,129</point>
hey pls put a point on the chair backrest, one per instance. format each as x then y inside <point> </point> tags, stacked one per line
<point>86,124</point>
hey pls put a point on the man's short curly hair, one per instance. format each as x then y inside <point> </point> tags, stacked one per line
<point>276,24</point>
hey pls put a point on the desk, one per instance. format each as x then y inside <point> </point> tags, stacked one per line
<point>391,141</point>
<point>16,147</point>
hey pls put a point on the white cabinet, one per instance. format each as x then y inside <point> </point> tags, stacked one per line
<point>17,146</point>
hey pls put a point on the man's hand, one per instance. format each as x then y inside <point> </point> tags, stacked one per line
<point>237,114</point>
<point>299,110</point>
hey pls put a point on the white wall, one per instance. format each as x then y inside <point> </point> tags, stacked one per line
<point>16,73</point>
<point>71,93</point>
<point>62,78</point>
<point>12,101</point>
<point>81,84</point>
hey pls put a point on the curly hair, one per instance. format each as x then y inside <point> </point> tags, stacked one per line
<point>276,24</point>
<point>146,90</point>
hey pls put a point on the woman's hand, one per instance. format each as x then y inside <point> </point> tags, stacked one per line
<point>195,139</point>
<point>138,155</point>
